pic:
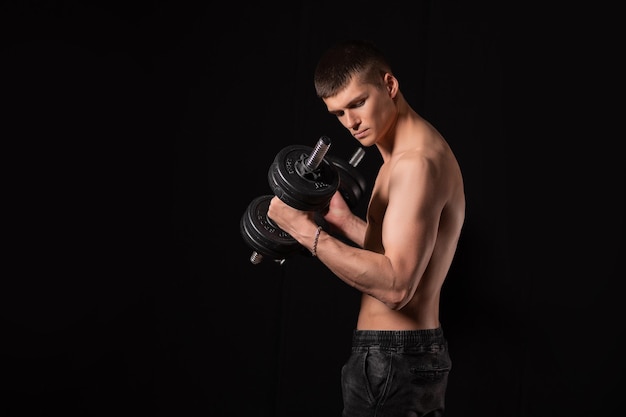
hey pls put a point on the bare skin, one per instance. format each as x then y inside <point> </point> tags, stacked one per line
<point>414,218</point>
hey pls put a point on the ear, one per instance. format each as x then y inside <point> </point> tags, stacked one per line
<point>391,84</point>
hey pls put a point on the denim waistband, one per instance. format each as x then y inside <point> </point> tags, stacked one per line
<point>396,337</point>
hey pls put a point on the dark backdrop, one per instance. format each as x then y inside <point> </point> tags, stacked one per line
<point>135,135</point>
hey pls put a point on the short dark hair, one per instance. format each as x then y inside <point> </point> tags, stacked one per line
<point>341,62</point>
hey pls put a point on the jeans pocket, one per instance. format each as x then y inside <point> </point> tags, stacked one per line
<point>377,368</point>
<point>429,367</point>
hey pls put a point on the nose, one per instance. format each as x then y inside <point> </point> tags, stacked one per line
<point>352,121</point>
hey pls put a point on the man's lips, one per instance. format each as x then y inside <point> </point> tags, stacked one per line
<point>360,134</point>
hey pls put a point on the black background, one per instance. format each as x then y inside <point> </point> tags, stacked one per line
<point>135,135</point>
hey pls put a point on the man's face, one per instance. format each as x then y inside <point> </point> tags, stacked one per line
<point>366,110</point>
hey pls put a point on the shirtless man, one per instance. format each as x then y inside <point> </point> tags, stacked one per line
<point>400,361</point>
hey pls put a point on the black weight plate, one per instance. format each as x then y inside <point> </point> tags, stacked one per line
<point>352,183</point>
<point>310,191</point>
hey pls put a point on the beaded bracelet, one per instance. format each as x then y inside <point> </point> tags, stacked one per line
<point>317,237</point>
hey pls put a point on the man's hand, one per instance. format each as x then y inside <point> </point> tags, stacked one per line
<point>289,219</point>
<point>337,213</point>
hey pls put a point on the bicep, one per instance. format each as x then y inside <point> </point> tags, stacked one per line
<point>411,221</point>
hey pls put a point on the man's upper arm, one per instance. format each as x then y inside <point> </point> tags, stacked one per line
<point>411,221</point>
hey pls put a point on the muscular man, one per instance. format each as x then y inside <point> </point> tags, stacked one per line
<point>400,361</point>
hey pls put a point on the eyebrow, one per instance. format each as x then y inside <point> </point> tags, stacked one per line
<point>350,104</point>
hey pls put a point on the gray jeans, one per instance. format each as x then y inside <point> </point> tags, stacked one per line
<point>394,373</point>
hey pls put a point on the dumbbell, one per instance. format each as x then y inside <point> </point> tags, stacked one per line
<point>304,179</point>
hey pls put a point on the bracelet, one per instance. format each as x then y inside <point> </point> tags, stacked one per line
<point>317,238</point>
